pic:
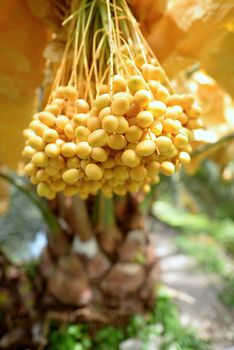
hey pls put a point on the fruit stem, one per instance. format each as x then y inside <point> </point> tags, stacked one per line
<point>84,227</point>
<point>111,45</point>
<point>106,213</point>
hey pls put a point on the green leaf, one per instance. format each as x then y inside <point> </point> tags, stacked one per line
<point>19,227</point>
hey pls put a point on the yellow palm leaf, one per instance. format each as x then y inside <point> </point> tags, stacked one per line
<point>197,31</point>
<point>22,41</point>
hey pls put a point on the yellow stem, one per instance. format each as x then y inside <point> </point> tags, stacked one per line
<point>111,46</point>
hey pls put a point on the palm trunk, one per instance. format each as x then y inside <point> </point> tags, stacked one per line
<point>105,268</point>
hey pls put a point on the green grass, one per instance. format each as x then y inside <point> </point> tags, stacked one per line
<point>205,250</point>
<point>163,323</point>
<point>227,294</point>
<point>210,241</point>
<point>221,230</point>
<point>69,337</point>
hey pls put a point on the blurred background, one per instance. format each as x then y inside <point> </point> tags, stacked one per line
<point>189,216</point>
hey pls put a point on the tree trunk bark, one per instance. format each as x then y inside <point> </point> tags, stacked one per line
<point>103,263</point>
<point>100,268</point>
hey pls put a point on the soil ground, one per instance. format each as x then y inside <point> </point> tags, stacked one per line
<point>196,292</point>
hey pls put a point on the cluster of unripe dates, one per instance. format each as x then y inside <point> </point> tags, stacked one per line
<point>134,130</point>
